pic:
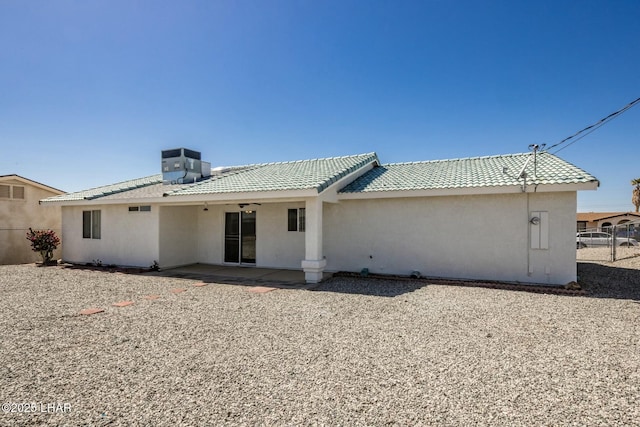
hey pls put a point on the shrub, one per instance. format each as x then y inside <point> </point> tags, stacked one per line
<point>45,242</point>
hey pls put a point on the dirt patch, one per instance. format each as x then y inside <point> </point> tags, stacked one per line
<point>619,279</point>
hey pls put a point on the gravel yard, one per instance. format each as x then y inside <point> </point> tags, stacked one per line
<point>352,352</point>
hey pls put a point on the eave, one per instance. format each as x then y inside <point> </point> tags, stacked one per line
<point>469,191</point>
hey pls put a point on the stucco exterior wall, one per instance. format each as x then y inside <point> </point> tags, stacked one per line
<point>210,236</point>
<point>17,215</point>
<point>475,237</point>
<point>178,235</point>
<point>275,246</point>
<point>127,238</point>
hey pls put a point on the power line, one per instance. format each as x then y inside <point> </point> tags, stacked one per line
<point>593,127</point>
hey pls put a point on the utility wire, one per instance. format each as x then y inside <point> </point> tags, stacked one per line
<point>593,127</point>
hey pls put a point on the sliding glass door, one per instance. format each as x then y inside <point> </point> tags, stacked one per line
<point>240,237</point>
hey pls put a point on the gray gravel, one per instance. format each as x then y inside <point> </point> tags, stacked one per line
<point>352,352</point>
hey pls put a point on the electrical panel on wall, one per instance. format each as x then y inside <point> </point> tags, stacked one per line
<point>539,228</point>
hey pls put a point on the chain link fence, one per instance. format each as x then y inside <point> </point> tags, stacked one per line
<point>609,243</point>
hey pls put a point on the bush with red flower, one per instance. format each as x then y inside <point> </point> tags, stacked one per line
<point>45,242</point>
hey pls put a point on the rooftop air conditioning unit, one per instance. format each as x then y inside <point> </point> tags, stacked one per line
<point>183,166</point>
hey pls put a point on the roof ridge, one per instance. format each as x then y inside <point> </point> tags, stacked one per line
<point>480,171</point>
<point>494,156</point>
<point>116,183</point>
<point>370,154</point>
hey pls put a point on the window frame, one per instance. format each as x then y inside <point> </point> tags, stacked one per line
<point>92,224</point>
<point>9,192</point>
<point>296,219</point>
<point>13,192</point>
<point>141,208</point>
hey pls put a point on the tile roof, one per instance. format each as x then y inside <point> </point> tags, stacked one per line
<point>107,190</point>
<point>315,174</point>
<point>597,216</point>
<point>490,171</point>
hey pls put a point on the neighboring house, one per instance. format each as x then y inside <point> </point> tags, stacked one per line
<point>479,218</point>
<point>19,210</point>
<point>604,220</point>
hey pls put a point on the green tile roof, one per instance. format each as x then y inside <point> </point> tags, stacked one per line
<point>490,171</point>
<point>108,190</point>
<point>315,174</point>
<point>318,174</point>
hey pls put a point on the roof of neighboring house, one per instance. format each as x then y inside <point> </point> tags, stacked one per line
<point>29,181</point>
<point>490,171</point>
<point>314,174</point>
<point>598,216</point>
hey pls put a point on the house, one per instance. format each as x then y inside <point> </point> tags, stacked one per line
<point>604,220</point>
<point>19,210</point>
<point>507,217</point>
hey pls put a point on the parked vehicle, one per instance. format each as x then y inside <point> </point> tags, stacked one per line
<point>598,238</point>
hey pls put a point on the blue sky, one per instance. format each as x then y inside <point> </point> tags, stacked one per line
<point>92,91</point>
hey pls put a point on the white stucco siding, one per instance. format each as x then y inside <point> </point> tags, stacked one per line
<point>178,235</point>
<point>210,236</point>
<point>275,245</point>
<point>558,264</point>
<point>127,238</point>
<point>476,237</point>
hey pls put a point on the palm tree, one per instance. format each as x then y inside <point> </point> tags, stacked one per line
<point>635,197</point>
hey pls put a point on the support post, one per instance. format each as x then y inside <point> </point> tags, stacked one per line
<point>314,262</point>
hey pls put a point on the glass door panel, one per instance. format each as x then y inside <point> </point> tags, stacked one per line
<point>232,237</point>
<point>248,233</point>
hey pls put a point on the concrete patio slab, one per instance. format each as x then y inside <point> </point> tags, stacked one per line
<point>243,275</point>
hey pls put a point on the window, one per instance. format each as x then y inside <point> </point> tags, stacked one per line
<point>12,192</point>
<point>302,224</point>
<point>296,219</point>
<point>146,208</point>
<point>91,224</point>
<point>18,192</point>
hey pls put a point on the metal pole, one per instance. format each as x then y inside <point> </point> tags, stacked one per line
<point>613,242</point>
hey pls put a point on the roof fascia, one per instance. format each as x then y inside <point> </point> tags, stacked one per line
<point>30,182</point>
<point>469,191</point>
<point>194,199</point>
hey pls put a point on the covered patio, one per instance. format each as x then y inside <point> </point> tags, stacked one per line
<point>248,276</point>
